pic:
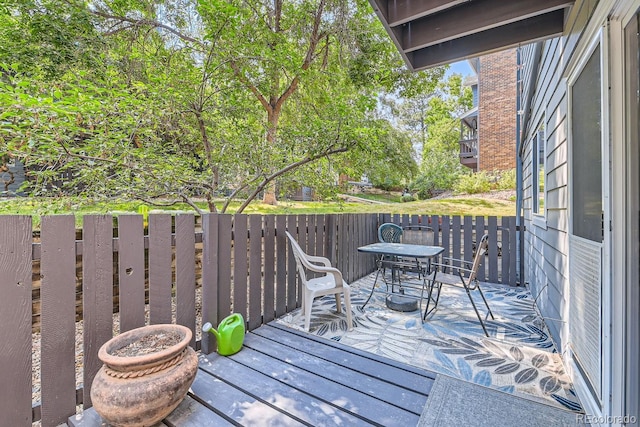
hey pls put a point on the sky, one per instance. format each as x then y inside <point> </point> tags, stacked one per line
<point>461,67</point>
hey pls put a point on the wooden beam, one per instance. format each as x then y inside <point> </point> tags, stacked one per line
<point>402,11</point>
<point>470,18</point>
<point>511,35</point>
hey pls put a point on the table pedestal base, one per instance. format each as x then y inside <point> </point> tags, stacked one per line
<point>399,302</point>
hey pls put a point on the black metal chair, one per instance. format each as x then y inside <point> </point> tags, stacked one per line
<point>462,274</point>
<point>389,233</point>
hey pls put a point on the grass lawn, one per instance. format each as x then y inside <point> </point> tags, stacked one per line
<point>472,205</point>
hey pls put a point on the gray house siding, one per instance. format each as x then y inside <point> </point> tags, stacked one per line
<point>581,281</point>
<point>546,239</point>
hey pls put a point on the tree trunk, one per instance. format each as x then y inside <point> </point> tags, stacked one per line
<point>269,196</point>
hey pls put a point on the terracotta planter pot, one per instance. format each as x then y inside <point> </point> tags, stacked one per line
<point>141,390</point>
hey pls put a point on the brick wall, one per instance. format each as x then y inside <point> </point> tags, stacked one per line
<point>497,111</point>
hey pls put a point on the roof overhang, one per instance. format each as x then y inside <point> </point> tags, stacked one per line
<point>434,32</point>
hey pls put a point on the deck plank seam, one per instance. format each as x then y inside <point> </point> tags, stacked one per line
<point>301,390</point>
<point>257,398</point>
<point>204,403</point>
<point>361,353</point>
<point>426,376</point>
<point>329,378</point>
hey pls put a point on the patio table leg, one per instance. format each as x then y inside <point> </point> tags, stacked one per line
<point>375,281</point>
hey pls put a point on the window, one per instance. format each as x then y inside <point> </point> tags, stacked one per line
<point>586,158</point>
<point>538,154</point>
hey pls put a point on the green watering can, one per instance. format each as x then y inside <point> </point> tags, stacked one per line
<point>230,334</point>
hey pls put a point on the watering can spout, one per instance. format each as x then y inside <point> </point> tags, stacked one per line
<point>208,327</point>
<point>229,335</point>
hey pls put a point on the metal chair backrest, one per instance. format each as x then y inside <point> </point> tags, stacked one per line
<point>389,233</point>
<point>418,235</point>
<point>481,250</point>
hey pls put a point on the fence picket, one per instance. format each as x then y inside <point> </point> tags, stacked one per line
<point>209,277</point>
<point>240,265</point>
<point>456,234</point>
<point>131,273</point>
<point>291,266</point>
<point>492,227</point>
<point>160,273</point>
<point>255,271</point>
<point>57,321</point>
<point>478,234</point>
<point>505,233</point>
<point>467,251</point>
<point>225,228</point>
<point>185,273</point>
<point>15,317</point>
<point>513,253</point>
<point>97,294</point>
<point>446,235</point>
<point>268,312</point>
<point>281,266</point>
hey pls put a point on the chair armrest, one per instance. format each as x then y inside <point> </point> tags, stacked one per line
<point>337,274</point>
<point>319,260</point>
<point>459,270</point>
<point>461,262</point>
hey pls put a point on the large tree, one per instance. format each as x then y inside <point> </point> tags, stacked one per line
<point>182,98</point>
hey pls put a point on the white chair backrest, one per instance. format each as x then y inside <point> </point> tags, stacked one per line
<point>481,249</point>
<point>300,257</point>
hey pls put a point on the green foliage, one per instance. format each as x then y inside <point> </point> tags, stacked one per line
<point>479,182</point>
<point>81,206</point>
<point>199,98</point>
<point>408,198</point>
<point>483,181</point>
<point>440,171</point>
<point>506,180</point>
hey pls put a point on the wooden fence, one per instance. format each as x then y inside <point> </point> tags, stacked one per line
<point>246,267</point>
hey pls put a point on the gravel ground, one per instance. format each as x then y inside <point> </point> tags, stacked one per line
<point>35,349</point>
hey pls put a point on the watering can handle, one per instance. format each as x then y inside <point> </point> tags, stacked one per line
<point>230,319</point>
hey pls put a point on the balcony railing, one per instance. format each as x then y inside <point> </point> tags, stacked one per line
<point>469,152</point>
<point>50,279</point>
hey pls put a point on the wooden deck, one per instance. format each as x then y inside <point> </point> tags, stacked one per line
<point>283,377</point>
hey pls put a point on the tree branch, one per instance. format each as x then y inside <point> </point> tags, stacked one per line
<point>314,39</point>
<point>286,169</point>
<point>250,86</point>
<point>149,22</point>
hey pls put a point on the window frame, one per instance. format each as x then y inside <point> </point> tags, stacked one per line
<point>538,152</point>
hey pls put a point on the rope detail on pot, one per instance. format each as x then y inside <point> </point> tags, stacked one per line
<point>147,371</point>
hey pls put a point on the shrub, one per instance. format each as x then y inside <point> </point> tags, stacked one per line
<point>506,180</point>
<point>440,171</point>
<point>408,198</point>
<point>479,182</point>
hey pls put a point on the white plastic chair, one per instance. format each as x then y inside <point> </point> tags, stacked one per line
<point>330,283</point>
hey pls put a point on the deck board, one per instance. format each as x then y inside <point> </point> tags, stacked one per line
<point>284,377</point>
<point>382,390</point>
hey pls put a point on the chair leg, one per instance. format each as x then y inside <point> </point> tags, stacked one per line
<point>308,296</point>
<point>466,288</point>
<point>430,297</point>
<point>347,307</point>
<point>338,303</point>
<point>485,301</point>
